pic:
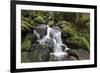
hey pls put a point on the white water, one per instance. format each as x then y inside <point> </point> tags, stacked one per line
<point>58,53</point>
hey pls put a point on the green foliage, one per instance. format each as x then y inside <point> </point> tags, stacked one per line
<point>27,24</point>
<point>27,42</point>
<point>51,23</point>
<point>68,29</point>
<point>85,44</point>
<point>39,19</point>
<point>84,19</point>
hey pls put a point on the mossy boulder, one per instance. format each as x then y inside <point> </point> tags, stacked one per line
<point>67,30</point>
<point>78,42</point>
<point>38,53</point>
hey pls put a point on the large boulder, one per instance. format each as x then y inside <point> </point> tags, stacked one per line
<point>78,42</point>
<point>48,42</point>
<point>38,53</point>
<point>82,54</point>
<point>78,54</point>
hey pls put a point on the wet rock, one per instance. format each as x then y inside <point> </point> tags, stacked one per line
<point>82,54</point>
<point>58,56</point>
<point>41,29</point>
<point>34,38</point>
<point>78,54</point>
<point>69,58</point>
<point>65,35</point>
<point>48,42</point>
<point>64,56</point>
<point>72,55</point>
<point>56,28</point>
<point>64,47</point>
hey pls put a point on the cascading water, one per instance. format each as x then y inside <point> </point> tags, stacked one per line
<point>58,53</point>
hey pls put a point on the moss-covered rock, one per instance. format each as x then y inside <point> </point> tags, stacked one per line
<point>38,53</point>
<point>68,30</point>
<point>78,42</point>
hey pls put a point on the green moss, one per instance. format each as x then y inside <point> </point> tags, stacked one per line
<point>85,44</point>
<point>80,42</point>
<point>26,45</point>
<point>27,42</point>
<point>69,30</point>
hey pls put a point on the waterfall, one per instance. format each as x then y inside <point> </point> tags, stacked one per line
<point>57,41</point>
<point>48,31</point>
<point>58,53</point>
